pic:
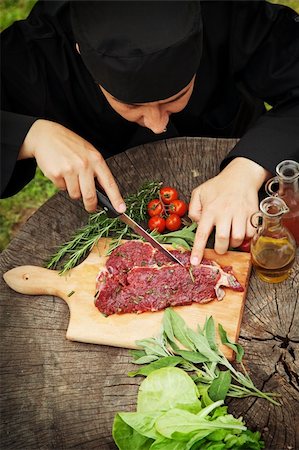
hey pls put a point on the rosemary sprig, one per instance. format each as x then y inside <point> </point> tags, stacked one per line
<point>99,225</point>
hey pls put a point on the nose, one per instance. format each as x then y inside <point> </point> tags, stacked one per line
<point>155,118</point>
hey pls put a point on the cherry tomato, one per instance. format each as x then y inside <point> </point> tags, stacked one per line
<point>155,208</point>
<point>168,194</point>
<point>173,222</point>
<point>157,223</point>
<point>178,207</point>
<point>245,246</point>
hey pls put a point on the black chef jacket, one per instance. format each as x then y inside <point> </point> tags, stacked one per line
<point>250,55</point>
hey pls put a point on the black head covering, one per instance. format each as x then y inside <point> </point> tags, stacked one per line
<point>139,51</point>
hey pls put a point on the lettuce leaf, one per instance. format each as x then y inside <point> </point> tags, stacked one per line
<point>168,388</point>
<point>126,438</point>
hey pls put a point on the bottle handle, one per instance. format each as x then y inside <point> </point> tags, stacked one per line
<point>255,219</point>
<point>269,184</point>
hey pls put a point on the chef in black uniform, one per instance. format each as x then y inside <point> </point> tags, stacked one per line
<point>82,81</point>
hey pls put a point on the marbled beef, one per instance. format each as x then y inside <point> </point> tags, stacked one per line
<point>139,278</point>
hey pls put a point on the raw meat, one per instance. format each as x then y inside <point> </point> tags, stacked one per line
<point>139,278</point>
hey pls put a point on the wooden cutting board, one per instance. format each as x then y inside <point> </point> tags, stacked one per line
<point>87,324</point>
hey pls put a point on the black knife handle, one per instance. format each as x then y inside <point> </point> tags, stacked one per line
<point>105,203</point>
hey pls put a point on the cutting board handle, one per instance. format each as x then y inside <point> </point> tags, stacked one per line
<point>35,280</point>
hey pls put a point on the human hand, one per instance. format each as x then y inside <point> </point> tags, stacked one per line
<point>71,163</point>
<point>226,202</point>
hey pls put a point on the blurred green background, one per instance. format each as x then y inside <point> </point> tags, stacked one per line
<point>14,211</point>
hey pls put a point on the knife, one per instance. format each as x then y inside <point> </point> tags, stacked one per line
<point>105,203</point>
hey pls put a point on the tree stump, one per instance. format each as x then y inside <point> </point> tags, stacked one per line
<point>58,394</point>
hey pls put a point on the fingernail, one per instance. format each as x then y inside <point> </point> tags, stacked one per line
<point>194,260</point>
<point>121,207</point>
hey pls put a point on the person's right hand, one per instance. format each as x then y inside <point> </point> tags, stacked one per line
<point>71,163</point>
<point>227,203</point>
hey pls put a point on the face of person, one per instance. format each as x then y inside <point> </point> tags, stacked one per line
<point>152,115</point>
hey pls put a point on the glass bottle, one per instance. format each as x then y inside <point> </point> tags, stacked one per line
<point>287,180</point>
<point>273,247</point>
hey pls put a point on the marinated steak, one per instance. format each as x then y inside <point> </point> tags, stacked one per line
<point>139,278</point>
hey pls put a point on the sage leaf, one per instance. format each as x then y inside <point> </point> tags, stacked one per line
<point>209,332</point>
<point>152,347</point>
<point>203,346</point>
<point>194,357</point>
<point>220,386</point>
<point>137,353</point>
<point>167,326</point>
<point>167,361</point>
<point>180,329</point>
<point>237,348</point>
<point>146,359</point>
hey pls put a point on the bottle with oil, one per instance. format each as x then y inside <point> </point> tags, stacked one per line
<point>273,247</point>
<point>286,186</point>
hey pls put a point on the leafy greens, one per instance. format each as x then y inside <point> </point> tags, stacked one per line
<point>171,416</point>
<point>200,348</point>
<point>176,411</point>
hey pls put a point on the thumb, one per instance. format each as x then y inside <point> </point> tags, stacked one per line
<point>195,206</point>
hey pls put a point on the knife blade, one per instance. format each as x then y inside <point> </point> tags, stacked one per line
<point>105,203</point>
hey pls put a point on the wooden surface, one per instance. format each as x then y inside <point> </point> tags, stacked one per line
<point>59,394</point>
<point>87,324</point>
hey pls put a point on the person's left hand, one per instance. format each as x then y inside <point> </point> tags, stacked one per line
<point>226,202</point>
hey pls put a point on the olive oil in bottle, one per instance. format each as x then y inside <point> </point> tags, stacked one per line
<point>273,258</point>
<point>273,248</point>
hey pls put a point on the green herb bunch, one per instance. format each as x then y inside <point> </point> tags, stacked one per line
<point>200,355</point>
<point>100,225</point>
<point>176,411</point>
